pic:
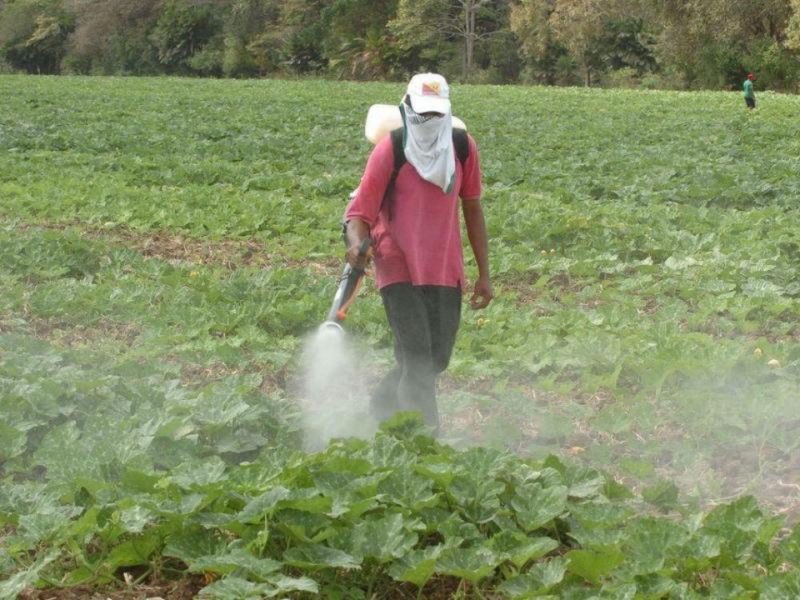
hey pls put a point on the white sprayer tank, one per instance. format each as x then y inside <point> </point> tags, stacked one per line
<point>383,118</point>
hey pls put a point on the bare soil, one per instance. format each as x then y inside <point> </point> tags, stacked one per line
<point>184,589</point>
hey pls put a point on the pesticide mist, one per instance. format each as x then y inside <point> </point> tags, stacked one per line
<point>334,402</point>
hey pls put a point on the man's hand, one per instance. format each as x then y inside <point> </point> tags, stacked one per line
<point>482,294</point>
<point>356,258</point>
<point>356,232</point>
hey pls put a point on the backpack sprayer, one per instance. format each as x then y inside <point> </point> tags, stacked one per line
<point>349,284</point>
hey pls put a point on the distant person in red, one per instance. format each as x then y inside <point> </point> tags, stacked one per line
<point>749,94</point>
<point>419,262</point>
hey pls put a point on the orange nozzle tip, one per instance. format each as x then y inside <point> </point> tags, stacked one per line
<point>341,315</point>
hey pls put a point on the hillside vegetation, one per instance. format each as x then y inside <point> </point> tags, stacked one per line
<point>653,44</point>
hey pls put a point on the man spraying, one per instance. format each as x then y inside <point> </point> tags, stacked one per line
<point>411,215</point>
<point>749,95</point>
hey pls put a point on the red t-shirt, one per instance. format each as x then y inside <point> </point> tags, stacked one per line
<point>422,242</point>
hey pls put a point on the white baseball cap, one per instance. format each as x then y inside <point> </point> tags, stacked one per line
<point>429,92</point>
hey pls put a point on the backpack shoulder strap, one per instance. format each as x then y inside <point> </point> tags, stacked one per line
<point>461,145</point>
<point>398,150</point>
<point>399,154</point>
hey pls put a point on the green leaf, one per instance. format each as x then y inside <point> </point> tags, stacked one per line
<point>199,473</point>
<point>616,491</point>
<point>345,464</point>
<point>305,527</point>
<point>651,542</point>
<point>237,560</point>
<point>315,556</point>
<point>663,495</point>
<point>284,585</point>
<point>140,482</point>
<point>536,506</point>
<point>136,551</point>
<point>790,547</point>
<point>679,263</point>
<point>738,525</point>
<point>309,500</point>
<point>781,586</point>
<point>262,505</point>
<point>387,451</point>
<point>188,546</point>
<point>599,513</point>
<point>701,547</point>
<point>519,548</point>
<point>743,513</point>
<point>581,482</point>
<point>12,442</point>
<point>236,588</point>
<point>477,496</point>
<point>219,406</point>
<point>48,522</point>
<point>593,565</point>
<point>21,580</point>
<point>539,579</point>
<point>343,505</point>
<point>417,566</point>
<point>404,488</point>
<point>654,585</point>
<point>623,591</point>
<point>382,539</point>
<point>457,532</point>
<point>135,518</point>
<point>437,469</point>
<point>405,426</point>
<point>472,564</point>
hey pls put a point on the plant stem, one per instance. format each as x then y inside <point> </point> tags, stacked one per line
<point>143,576</point>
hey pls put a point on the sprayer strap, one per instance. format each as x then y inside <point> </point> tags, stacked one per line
<point>460,144</point>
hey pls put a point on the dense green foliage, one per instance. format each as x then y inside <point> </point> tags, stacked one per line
<point>167,243</point>
<point>668,44</point>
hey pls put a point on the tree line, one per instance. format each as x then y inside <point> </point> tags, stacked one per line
<point>674,44</point>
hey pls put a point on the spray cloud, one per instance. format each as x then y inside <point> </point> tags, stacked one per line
<point>334,402</point>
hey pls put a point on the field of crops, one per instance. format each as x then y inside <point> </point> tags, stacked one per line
<point>622,422</point>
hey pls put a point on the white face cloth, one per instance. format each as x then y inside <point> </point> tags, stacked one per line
<point>428,144</point>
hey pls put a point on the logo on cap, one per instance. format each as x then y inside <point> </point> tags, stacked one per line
<point>431,89</point>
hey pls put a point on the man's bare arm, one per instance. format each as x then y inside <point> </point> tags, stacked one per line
<point>479,241</point>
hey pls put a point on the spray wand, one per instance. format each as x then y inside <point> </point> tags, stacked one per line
<point>349,284</point>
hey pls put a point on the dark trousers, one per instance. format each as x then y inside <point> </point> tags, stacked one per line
<point>751,102</point>
<point>424,321</point>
